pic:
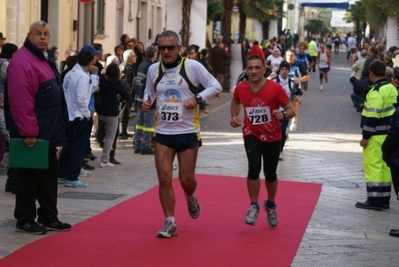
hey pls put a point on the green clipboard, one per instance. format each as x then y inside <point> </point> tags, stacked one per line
<point>22,156</point>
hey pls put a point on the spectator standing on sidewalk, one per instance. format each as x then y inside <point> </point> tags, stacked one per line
<point>376,115</point>
<point>390,148</point>
<point>107,107</point>
<point>144,120</point>
<point>78,86</point>
<point>171,83</point>
<point>128,73</point>
<point>261,131</point>
<point>37,110</point>
<point>218,55</point>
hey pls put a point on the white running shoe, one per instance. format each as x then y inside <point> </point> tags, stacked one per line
<point>84,173</point>
<point>168,230</point>
<point>252,215</point>
<point>271,218</point>
<point>293,126</point>
<point>281,157</point>
<point>321,87</point>
<point>107,164</point>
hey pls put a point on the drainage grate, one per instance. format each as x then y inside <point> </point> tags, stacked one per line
<point>91,196</point>
<point>342,184</point>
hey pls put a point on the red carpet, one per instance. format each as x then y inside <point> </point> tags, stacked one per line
<point>125,235</point>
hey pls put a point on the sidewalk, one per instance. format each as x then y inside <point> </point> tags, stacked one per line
<point>324,149</point>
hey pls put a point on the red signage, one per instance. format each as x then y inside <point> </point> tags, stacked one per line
<point>85,1</point>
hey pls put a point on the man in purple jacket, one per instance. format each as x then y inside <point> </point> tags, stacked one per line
<point>37,110</point>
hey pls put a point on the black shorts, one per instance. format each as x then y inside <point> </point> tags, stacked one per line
<point>256,149</point>
<point>179,142</point>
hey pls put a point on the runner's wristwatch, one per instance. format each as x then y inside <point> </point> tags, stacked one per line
<point>199,99</point>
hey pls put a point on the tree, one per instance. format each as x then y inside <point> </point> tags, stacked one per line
<point>378,12</point>
<point>315,25</point>
<point>186,17</point>
<point>357,14</point>
<point>226,32</point>
<point>262,10</point>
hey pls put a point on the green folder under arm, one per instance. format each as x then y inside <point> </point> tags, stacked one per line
<point>22,156</point>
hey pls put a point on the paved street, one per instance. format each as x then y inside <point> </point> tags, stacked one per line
<point>324,149</point>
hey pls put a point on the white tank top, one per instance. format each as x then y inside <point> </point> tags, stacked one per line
<point>323,60</point>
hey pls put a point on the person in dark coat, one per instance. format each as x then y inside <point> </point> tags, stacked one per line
<point>390,147</point>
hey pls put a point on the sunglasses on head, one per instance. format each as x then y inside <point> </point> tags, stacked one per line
<point>164,47</point>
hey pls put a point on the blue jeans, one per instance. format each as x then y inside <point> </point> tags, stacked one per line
<point>72,155</point>
<point>283,127</point>
<point>358,101</point>
<point>144,130</point>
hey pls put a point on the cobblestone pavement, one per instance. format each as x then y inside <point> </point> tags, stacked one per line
<point>324,149</point>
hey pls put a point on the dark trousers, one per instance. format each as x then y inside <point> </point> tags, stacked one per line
<point>124,115</point>
<point>313,68</point>
<point>72,155</point>
<point>40,185</point>
<point>283,127</point>
<point>395,180</point>
<point>358,102</point>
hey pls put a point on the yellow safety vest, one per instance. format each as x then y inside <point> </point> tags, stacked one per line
<point>312,51</point>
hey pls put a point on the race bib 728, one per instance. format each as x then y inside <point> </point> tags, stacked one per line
<point>258,115</point>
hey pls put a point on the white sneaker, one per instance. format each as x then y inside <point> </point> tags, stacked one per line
<point>281,157</point>
<point>321,87</point>
<point>107,164</point>
<point>252,215</point>
<point>84,173</point>
<point>168,230</point>
<point>293,126</point>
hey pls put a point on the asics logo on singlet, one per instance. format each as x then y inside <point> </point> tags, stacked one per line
<point>257,111</point>
<point>165,107</point>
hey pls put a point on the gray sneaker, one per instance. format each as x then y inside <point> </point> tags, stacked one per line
<point>252,215</point>
<point>194,208</point>
<point>168,230</point>
<point>272,218</point>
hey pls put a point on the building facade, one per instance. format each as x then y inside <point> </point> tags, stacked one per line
<point>75,23</point>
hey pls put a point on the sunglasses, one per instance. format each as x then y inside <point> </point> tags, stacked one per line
<point>164,47</point>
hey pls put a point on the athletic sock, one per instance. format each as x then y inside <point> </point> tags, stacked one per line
<point>171,218</point>
<point>270,204</point>
<point>256,204</point>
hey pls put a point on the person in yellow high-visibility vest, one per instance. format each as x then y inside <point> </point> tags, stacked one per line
<point>377,112</point>
<point>313,50</point>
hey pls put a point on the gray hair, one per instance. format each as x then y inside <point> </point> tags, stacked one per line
<point>150,51</point>
<point>168,33</point>
<point>127,54</point>
<point>363,53</point>
<point>388,73</point>
<point>39,23</point>
<point>388,56</point>
<point>111,60</point>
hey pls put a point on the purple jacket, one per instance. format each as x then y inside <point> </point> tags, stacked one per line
<point>35,97</point>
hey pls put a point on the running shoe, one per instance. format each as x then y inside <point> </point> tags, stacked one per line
<point>194,208</point>
<point>168,230</point>
<point>281,157</point>
<point>84,173</point>
<point>293,126</point>
<point>272,218</point>
<point>106,164</point>
<point>252,215</point>
<point>321,87</point>
<point>61,180</point>
<point>76,183</point>
<point>30,227</point>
